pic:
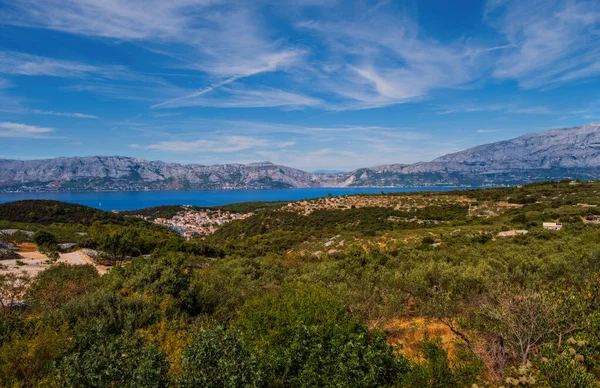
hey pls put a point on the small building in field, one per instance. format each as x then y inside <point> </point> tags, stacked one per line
<point>591,220</point>
<point>552,225</point>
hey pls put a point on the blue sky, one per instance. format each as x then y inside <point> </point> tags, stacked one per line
<point>313,84</point>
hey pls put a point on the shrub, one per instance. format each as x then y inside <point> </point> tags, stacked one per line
<point>120,361</point>
<point>428,240</point>
<point>564,370</point>
<point>60,284</point>
<point>44,239</point>
<point>436,371</point>
<point>26,359</point>
<point>303,337</point>
<point>217,358</point>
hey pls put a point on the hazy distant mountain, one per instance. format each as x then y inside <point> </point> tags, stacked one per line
<point>328,172</point>
<point>554,154</point>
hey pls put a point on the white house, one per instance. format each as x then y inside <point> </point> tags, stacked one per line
<point>552,225</point>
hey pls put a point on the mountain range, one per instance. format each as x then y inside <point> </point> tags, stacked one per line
<point>554,154</point>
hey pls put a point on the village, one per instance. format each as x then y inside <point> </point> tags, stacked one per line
<point>197,223</point>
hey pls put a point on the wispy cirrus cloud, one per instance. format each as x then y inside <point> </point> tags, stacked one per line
<point>221,39</point>
<point>17,130</point>
<point>366,68</point>
<point>8,103</point>
<point>308,54</point>
<point>64,114</point>
<point>224,144</point>
<point>128,19</point>
<point>150,93</point>
<point>32,65</point>
<point>555,41</point>
<point>506,108</point>
<point>21,64</point>
<point>245,97</point>
<point>301,146</point>
<point>229,44</point>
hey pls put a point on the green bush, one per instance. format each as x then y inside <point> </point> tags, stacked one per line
<point>218,358</point>
<point>302,337</point>
<point>121,361</point>
<point>436,371</point>
<point>564,370</point>
<point>44,239</point>
<point>60,284</point>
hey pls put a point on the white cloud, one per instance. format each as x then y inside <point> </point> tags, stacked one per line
<point>17,130</point>
<point>486,131</point>
<point>64,114</point>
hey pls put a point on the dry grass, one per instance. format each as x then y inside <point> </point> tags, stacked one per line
<point>410,333</point>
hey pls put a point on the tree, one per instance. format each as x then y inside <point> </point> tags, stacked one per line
<point>12,289</point>
<point>521,320</point>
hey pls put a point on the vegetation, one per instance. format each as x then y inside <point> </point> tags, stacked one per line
<point>47,212</point>
<point>361,297</point>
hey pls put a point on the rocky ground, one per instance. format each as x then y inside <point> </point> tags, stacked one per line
<point>32,262</point>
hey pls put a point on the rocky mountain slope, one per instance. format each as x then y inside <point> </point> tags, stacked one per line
<point>123,173</point>
<point>554,154</point>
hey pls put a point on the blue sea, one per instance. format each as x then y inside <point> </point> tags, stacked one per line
<point>142,199</point>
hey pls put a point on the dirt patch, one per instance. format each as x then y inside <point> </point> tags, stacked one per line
<point>410,333</point>
<point>30,251</point>
<point>73,258</point>
<point>27,247</point>
<point>34,262</point>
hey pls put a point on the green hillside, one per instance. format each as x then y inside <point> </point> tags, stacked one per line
<point>387,290</point>
<point>47,212</point>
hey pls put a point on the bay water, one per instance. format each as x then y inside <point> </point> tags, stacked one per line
<point>133,200</point>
